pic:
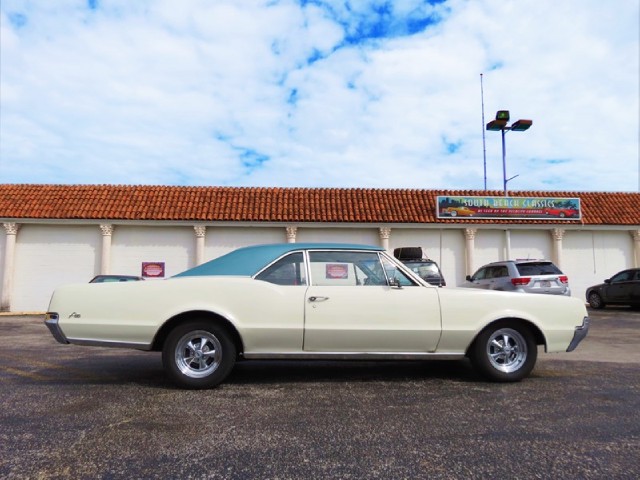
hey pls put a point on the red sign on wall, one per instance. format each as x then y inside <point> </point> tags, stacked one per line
<point>337,271</point>
<point>153,269</point>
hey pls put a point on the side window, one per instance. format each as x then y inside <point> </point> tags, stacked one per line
<point>394,273</point>
<point>289,270</point>
<point>340,268</point>
<point>480,274</point>
<point>500,271</point>
<point>622,277</point>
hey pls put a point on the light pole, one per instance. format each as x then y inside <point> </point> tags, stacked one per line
<point>500,124</point>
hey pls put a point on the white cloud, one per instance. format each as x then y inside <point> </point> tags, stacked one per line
<point>284,93</point>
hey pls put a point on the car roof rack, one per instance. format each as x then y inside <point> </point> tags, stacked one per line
<point>410,253</point>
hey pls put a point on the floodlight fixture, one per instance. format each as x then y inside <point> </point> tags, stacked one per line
<point>502,115</point>
<point>500,125</point>
<point>496,125</point>
<point>521,125</point>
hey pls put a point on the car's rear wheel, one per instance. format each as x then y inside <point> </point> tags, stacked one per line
<point>595,300</point>
<point>504,352</point>
<point>198,354</point>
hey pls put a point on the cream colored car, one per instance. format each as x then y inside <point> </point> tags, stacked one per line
<point>313,301</point>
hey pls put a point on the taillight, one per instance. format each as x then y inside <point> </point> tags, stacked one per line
<point>564,279</point>
<point>521,281</point>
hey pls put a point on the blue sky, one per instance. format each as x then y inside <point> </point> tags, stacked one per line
<point>375,94</point>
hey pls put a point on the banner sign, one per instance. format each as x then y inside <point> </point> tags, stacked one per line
<point>520,208</point>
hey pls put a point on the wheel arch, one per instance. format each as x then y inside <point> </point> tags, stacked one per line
<point>538,336</point>
<point>171,323</point>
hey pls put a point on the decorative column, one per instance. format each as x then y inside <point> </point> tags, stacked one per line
<point>470,246</point>
<point>507,245</point>
<point>11,230</point>
<point>291,232</point>
<point>201,233</point>
<point>105,260</point>
<point>635,234</point>
<point>385,234</point>
<point>557,234</point>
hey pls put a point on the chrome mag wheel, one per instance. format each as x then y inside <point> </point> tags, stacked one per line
<point>198,354</point>
<point>507,350</point>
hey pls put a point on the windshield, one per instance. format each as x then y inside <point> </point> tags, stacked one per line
<point>538,268</point>
<point>424,269</point>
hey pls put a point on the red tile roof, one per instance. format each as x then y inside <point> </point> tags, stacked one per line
<point>210,204</point>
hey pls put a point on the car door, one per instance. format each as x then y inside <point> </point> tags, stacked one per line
<point>495,277</point>
<point>480,278</point>
<point>350,307</point>
<point>498,278</point>
<point>635,289</point>
<point>618,287</point>
<point>621,286</point>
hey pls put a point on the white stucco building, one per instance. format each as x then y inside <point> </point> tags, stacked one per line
<point>57,234</point>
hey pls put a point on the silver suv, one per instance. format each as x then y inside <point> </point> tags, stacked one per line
<point>526,276</point>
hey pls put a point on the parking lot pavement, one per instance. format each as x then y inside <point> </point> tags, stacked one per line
<point>613,337</point>
<point>79,412</point>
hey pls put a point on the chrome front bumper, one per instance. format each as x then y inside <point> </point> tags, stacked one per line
<point>51,321</point>
<point>579,334</point>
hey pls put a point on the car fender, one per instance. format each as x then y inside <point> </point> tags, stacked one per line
<point>464,316</point>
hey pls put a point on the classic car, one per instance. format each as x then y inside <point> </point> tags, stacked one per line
<point>562,212</point>
<point>621,289</point>
<point>313,301</point>
<point>458,211</point>
<point>115,278</point>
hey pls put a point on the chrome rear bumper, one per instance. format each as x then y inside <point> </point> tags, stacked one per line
<point>51,321</point>
<point>579,334</point>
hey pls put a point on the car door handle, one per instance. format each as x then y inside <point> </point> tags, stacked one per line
<point>318,299</point>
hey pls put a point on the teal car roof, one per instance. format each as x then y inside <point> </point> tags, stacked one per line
<point>248,261</point>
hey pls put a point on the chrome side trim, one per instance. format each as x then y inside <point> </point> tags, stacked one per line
<point>51,321</point>
<point>354,356</point>
<point>579,334</point>
<point>109,343</point>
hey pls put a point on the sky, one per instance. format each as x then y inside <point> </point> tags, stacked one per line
<point>315,93</point>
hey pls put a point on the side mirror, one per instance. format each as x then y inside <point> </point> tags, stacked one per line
<point>608,280</point>
<point>468,277</point>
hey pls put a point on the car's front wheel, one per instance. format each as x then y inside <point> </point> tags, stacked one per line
<point>595,300</point>
<point>504,352</point>
<point>198,354</point>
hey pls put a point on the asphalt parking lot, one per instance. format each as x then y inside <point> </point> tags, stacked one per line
<point>79,412</point>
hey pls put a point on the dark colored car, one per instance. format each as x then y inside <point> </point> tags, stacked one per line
<point>115,278</point>
<point>420,264</point>
<point>621,289</point>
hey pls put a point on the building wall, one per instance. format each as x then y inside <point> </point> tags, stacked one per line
<point>133,245</point>
<point>49,255</point>
<point>3,246</point>
<point>221,240</point>
<point>591,256</point>
<point>531,244</point>
<point>366,236</point>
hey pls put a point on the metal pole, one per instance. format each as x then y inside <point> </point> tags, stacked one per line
<point>504,163</point>
<point>484,143</point>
